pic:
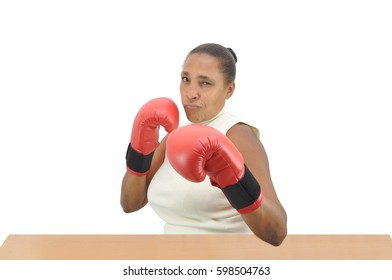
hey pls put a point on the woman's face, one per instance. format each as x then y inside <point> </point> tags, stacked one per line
<point>203,87</point>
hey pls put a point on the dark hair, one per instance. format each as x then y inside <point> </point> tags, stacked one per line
<point>226,56</point>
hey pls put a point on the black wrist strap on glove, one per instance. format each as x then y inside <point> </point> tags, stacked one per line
<point>245,195</point>
<point>138,162</point>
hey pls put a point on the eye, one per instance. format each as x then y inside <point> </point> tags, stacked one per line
<point>184,79</point>
<point>205,83</point>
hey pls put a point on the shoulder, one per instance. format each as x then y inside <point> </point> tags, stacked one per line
<point>242,131</point>
<point>229,123</point>
<point>246,140</point>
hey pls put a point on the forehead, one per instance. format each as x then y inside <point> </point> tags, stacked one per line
<point>201,63</point>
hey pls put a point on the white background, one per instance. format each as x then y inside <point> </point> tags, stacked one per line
<point>314,76</point>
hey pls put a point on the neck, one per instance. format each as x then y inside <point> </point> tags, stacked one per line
<point>214,117</point>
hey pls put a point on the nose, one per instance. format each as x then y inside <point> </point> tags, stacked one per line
<point>192,96</point>
<point>191,92</point>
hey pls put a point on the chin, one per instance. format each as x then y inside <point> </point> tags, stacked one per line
<point>192,118</point>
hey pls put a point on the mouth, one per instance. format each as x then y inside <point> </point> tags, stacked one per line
<point>191,106</point>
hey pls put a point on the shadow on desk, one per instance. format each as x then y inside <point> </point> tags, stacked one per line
<point>195,247</point>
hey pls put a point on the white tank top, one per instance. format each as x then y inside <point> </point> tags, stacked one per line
<point>195,208</point>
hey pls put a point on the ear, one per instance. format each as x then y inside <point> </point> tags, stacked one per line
<point>230,90</point>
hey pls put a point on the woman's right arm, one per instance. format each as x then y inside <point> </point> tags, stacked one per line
<point>134,188</point>
<point>156,113</point>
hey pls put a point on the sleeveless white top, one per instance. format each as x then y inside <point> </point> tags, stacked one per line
<point>195,208</point>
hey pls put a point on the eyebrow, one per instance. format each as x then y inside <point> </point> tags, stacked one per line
<point>200,76</point>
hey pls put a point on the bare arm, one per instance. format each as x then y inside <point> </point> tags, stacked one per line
<point>134,188</point>
<point>269,221</point>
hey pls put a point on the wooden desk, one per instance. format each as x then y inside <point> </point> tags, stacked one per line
<point>195,247</point>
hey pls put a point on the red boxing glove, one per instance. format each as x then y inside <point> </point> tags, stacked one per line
<point>157,112</point>
<point>197,150</point>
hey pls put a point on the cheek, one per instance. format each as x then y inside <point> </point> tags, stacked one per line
<point>181,91</point>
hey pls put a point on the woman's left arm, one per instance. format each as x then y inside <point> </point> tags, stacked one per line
<point>269,221</point>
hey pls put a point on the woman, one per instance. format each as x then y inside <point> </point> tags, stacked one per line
<point>202,205</point>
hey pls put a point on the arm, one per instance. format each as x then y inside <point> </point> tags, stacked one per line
<point>269,221</point>
<point>145,154</point>
<point>134,188</point>
<point>196,151</point>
